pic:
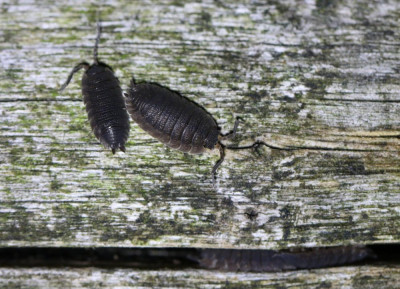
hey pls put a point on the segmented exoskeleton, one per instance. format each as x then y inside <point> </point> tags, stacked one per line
<point>104,101</point>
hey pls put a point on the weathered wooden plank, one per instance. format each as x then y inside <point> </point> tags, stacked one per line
<point>348,277</point>
<point>319,77</point>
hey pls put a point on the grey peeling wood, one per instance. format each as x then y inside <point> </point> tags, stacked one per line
<point>321,78</point>
<point>347,277</point>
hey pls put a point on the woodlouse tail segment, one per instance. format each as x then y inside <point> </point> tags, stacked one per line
<point>122,148</point>
<point>221,148</point>
<point>78,67</point>
<point>113,138</point>
<point>232,133</point>
<point>96,45</point>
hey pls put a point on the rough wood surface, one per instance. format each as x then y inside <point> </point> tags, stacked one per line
<point>366,277</point>
<point>321,77</point>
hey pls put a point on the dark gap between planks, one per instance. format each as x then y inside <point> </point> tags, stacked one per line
<point>245,260</point>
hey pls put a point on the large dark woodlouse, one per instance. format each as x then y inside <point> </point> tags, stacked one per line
<point>175,120</point>
<point>104,101</point>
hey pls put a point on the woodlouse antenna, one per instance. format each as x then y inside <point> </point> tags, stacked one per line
<point>221,148</point>
<point>257,144</point>
<point>96,45</point>
<point>74,70</point>
<point>232,133</point>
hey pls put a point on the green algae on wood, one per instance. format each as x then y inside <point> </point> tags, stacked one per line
<point>343,277</point>
<point>329,95</point>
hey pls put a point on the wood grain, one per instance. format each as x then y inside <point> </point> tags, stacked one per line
<point>319,78</point>
<point>348,277</point>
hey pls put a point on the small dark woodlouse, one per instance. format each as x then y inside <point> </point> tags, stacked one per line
<point>175,120</point>
<point>104,101</point>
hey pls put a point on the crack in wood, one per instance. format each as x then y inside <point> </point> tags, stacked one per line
<point>234,260</point>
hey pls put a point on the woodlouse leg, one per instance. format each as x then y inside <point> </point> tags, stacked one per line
<point>232,133</point>
<point>221,148</point>
<point>81,65</point>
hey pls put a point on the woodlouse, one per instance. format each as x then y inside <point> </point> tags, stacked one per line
<point>175,120</point>
<point>104,101</point>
